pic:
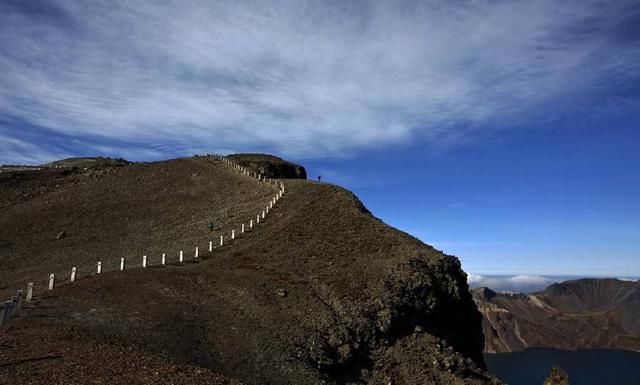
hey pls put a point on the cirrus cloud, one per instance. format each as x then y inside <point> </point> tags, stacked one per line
<point>303,78</point>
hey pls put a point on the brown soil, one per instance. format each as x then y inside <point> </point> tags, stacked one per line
<point>321,292</point>
<point>113,212</point>
<point>45,353</point>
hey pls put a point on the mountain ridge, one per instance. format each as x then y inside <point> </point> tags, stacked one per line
<point>321,292</point>
<point>581,313</point>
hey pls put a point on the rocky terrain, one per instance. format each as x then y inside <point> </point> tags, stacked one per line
<point>557,377</point>
<point>321,292</point>
<point>87,163</point>
<point>585,313</point>
<point>270,166</point>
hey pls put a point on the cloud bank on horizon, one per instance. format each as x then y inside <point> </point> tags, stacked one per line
<point>148,79</point>
<point>516,283</point>
<point>522,283</point>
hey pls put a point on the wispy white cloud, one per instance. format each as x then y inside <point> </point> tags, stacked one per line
<point>302,78</point>
<point>17,151</point>
<point>628,279</point>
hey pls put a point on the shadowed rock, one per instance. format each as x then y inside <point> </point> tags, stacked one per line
<point>557,377</point>
<point>270,166</point>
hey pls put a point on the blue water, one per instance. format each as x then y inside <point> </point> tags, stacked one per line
<point>584,367</point>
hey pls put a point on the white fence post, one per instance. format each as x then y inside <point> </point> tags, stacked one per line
<point>73,274</point>
<point>196,256</point>
<point>257,218</point>
<point>210,246</point>
<point>242,231</point>
<point>221,240</point>
<point>144,261</point>
<point>164,259</point>
<point>52,280</point>
<point>251,223</point>
<point>99,267</point>
<point>29,291</point>
<point>263,214</point>
<point>181,256</point>
<point>233,234</point>
<point>122,264</point>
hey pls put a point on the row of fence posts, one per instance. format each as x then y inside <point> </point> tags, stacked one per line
<point>10,308</point>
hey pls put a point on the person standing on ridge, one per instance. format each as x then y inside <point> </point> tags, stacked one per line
<point>319,177</point>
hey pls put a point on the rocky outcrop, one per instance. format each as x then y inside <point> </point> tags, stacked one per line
<point>484,293</point>
<point>585,313</point>
<point>433,297</point>
<point>557,377</point>
<point>270,166</point>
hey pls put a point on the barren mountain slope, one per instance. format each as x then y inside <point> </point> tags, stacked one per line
<point>112,212</point>
<point>321,292</point>
<point>585,313</point>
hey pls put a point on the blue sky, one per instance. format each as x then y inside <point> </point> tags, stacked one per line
<point>535,201</point>
<point>502,132</point>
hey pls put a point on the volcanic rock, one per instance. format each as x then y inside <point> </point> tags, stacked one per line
<point>270,166</point>
<point>557,377</point>
<point>586,313</point>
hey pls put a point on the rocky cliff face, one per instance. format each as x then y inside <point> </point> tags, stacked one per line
<point>585,313</point>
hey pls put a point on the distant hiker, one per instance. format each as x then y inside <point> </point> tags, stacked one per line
<point>319,177</point>
<point>210,226</point>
